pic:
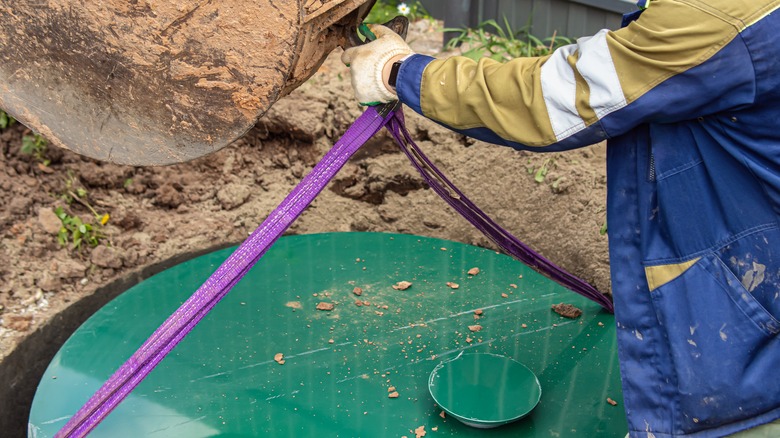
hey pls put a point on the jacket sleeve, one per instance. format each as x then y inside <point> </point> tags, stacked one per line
<point>678,61</point>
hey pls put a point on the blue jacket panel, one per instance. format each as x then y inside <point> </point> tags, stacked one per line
<point>693,174</point>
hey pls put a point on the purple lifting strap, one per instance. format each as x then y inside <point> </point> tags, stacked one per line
<point>501,237</point>
<point>233,269</point>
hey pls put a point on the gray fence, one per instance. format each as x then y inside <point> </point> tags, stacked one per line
<point>570,18</point>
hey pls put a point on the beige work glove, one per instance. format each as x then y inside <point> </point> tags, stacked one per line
<point>367,62</point>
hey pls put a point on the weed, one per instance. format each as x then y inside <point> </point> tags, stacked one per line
<point>74,230</point>
<point>72,190</point>
<point>385,10</point>
<point>541,172</point>
<point>35,146</point>
<point>79,194</point>
<point>6,121</point>
<point>489,39</point>
<point>73,227</point>
<point>557,183</point>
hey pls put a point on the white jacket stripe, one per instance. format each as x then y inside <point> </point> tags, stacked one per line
<point>560,89</point>
<point>596,66</point>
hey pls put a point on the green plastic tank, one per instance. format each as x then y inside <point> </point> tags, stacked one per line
<point>267,362</point>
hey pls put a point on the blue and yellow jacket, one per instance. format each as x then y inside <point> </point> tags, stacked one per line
<point>688,98</point>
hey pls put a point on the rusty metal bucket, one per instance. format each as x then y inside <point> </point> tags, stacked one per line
<point>146,82</point>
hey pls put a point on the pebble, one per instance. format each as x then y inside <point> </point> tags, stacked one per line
<point>49,221</point>
<point>106,257</point>
<point>19,205</point>
<point>49,282</point>
<point>70,268</point>
<point>20,323</point>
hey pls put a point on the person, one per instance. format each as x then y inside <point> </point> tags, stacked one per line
<point>687,96</point>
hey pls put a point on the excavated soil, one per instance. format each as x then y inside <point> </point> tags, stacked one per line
<point>160,216</point>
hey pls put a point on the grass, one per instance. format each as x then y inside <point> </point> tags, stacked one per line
<point>502,43</point>
<point>6,121</point>
<point>385,10</point>
<point>35,146</point>
<point>488,39</point>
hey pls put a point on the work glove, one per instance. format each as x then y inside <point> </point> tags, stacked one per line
<point>366,63</point>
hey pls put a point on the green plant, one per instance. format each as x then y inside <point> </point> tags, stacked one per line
<point>385,10</point>
<point>76,231</point>
<point>72,190</point>
<point>79,194</point>
<point>6,121</point>
<point>541,172</point>
<point>489,39</point>
<point>36,146</point>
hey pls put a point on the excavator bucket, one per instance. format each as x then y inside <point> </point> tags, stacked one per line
<point>151,82</point>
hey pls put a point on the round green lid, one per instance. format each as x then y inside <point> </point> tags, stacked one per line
<point>484,390</point>
<point>267,362</point>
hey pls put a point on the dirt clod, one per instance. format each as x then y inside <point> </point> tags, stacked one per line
<point>612,402</point>
<point>402,285</point>
<point>475,328</point>
<point>279,358</point>
<point>20,323</point>
<point>322,305</point>
<point>106,257</point>
<point>473,271</point>
<point>357,291</point>
<point>233,195</point>
<point>49,221</point>
<point>566,310</point>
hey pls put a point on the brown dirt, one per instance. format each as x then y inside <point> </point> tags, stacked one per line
<point>566,310</point>
<point>163,215</point>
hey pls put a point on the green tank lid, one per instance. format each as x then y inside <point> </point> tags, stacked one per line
<point>268,362</point>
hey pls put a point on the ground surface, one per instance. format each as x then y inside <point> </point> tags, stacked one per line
<point>159,216</point>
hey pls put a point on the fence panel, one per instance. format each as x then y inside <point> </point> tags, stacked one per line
<point>570,18</point>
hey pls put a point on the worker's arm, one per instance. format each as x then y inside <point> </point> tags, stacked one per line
<point>676,62</point>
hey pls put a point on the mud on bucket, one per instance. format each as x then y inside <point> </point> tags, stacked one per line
<point>144,83</point>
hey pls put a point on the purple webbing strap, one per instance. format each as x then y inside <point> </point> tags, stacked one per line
<point>184,319</point>
<point>501,237</point>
